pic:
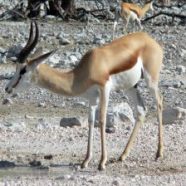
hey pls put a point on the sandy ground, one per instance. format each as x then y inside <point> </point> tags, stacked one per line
<point>31,134</point>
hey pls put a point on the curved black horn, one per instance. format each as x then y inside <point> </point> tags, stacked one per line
<point>32,42</point>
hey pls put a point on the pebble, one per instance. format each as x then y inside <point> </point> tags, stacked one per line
<point>35,163</point>
<point>7,101</point>
<point>64,41</point>
<point>181,69</point>
<point>170,115</point>
<point>110,130</point>
<point>172,83</point>
<point>98,40</point>
<point>42,104</point>
<point>73,59</point>
<point>70,122</point>
<point>115,183</point>
<point>28,116</point>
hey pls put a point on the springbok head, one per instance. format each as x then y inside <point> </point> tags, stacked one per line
<point>25,66</point>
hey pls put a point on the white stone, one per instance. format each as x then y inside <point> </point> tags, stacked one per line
<point>73,59</point>
<point>124,112</point>
<point>181,69</point>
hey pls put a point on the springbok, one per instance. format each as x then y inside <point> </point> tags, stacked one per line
<point>118,65</point>
<point>128,11</point>
<point>164,2</point>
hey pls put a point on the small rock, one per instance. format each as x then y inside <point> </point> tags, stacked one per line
<point>16,94</point>
<point>41,124</point>
<point>14,50</point>
<point>124,112</point>
<point>64,41</point>
<point>2,50</point>
<point>8,124</point>
<point>44,36</point>
<point>48,157</point>
<point>64,177</point>
<point>183,53</point>
<point>7,101</point>
<point>2,58</point>
<point>110,130</point>
<point>5,164</point>
<point>80,103</point>
<point>128,128</point>
<point>170,115</point>
<point>60,36</point>
<point>181,69</point>
<point>70,122</point>
<point>35,163</point>
<point>115,182</point>
<point>42,104</point>
<point>28,117</point>
<point>13,58</point>
<point>98,40</point>
<point>172,83</point>
<point>73,59</point>
<point>50,17</point>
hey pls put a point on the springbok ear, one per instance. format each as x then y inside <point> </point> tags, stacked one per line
<point>33,63</point>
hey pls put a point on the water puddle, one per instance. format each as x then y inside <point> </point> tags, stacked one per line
<point>35,171</point>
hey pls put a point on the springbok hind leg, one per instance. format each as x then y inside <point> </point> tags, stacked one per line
<point>141,110</point>
<point>159,102</point>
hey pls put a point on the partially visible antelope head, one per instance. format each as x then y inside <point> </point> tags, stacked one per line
<point>150,3</point>
<point>25,66</point>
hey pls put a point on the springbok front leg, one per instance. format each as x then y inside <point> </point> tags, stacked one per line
<point>104,100</point>
<point>141,111</point>
<point>127,19</point>
<point>91,121</point>
<point>114,29</point>
<point>139,24</point>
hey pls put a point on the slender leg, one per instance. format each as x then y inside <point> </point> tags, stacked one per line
<point>126,26</point>
<point>153,86</point>
<point>114,28</point>
<point>91,121</point>
<point>159,102</point>
<point>116,19</point>
<point>139,23</point>
<point>104,99</point>
<point>133,25</point>
<point>141,110</point>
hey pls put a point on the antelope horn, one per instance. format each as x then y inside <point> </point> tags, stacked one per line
<point>32,42</point>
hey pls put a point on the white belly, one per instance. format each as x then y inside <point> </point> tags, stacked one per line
<point>123,80</point>
<point>127,79</point>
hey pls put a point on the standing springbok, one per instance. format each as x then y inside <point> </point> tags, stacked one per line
<point>118,65</point>
<point>128,11</point>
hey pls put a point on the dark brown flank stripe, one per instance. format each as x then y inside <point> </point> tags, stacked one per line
<point>132,60</point>
<point>135,11</point>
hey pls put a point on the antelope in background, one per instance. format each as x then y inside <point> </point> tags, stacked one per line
<point>118,65</point>
<point>164,2</point>
<point>131,11</point>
